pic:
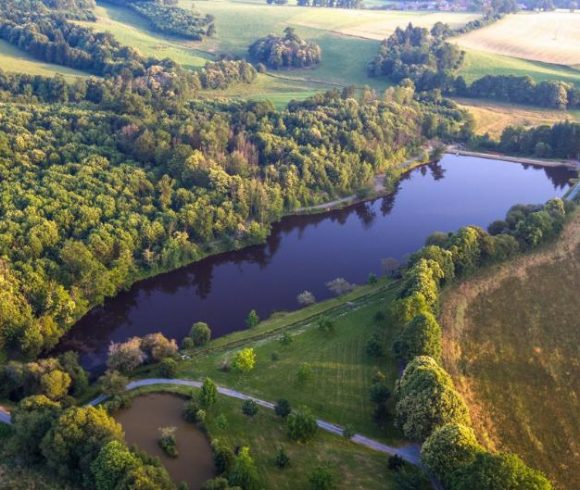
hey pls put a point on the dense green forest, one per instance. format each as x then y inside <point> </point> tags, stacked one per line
<point>288,51</point>
<point>96,194</point>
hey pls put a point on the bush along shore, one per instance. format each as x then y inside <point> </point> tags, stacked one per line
<point>428,408</point>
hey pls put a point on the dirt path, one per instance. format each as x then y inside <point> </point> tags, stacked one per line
<point>529,161</point>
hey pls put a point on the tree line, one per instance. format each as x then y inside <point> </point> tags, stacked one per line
<point>432,63</point>
<point>343,4</point>
<point>428,408</point>
<point>288,51</point>
<point>561,140</point>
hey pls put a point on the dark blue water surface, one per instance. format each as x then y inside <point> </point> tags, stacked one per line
<point>304,252</point>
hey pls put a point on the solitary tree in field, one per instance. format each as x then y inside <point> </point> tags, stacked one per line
<point>245,360</point>
<point>249,408</point>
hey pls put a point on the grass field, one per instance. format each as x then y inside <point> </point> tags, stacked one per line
<point>511,342</point>
<point>479,63</point>
<point>550,37</point>
<point>353,466</point>
<point>16,61</point>
<point>492,117</point>
<point>338,389</point>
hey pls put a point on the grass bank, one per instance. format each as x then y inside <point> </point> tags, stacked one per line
<point>511,343</point>
<point>337,388</point>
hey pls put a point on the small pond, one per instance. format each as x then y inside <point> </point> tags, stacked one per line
<point>141,422</point>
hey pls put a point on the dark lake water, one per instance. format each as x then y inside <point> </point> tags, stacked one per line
<point>305,252</point>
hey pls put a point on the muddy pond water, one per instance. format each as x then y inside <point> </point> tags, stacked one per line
<point>141,422</point>
<point>305,252</point>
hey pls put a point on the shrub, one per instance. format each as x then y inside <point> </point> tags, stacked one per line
<point>168,368</point>
<point>167,441</point>
<point>301,425</point>
<point>249,408</point>
<point>187,343</point>
<point>125,356</point>
<point>282,408</point>
<point>208,394</point>
<point>158,347</point>
<point>306,298</point>
<point>322,478</point>
<point>340,286</point>
<point>281,460</point>
<point>223,456</point>
<point>375,347</point>
<point>252,319</point>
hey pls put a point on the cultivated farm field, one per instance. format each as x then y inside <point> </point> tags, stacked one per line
<point>511,342</point>
<point>551,37</point>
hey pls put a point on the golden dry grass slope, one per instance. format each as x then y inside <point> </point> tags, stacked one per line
<point>512,345</point>
<point>492,117</point>
<point>551,37</point>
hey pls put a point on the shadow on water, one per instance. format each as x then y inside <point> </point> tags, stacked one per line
<point>305,252</point>
<point>141,422</point>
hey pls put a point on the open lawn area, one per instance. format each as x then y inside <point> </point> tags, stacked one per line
<point>14,60</point>
<point>550,37</point>
<point>352,465</point>
<point>492,117</point>
<point>512,345</point>
<point>337,388</point>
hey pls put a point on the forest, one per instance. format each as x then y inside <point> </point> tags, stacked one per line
<point>288,51</point>
<point>212,171</point>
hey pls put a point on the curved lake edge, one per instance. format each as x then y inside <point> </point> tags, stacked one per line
<point>172,281</point>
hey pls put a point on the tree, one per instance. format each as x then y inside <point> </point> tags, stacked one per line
<point>326,325</point>
<point>55,384</point>
<point>306,298</point>
<point>389,266</point>
<point>32,419</point>
<point>244,473</point>
<point>282,408</point>
<point>252,319</point>
<point>420,337</point>
<point>304,373</point>
<point>126,356</point>
<point>301,425</point>
<point>167,441</point>
<point>113,384</point>
<point>112,464</point>
<point>340,286</point>
<point>448,448</point>
<point>79,377</point>
<point>498,471</point>
<point>249,408</point>
<point>157,347</point>
<point>375,347</point>
<point>200,333</point>
<point>168,367</point>
<point>322,478</point>
<point>223,457</point>
<point>208,394</point>
<point>245,360</point>
<point>75,440</point>
<point>426,399</point>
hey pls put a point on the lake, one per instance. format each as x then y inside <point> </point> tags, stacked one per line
<point>305,252</point>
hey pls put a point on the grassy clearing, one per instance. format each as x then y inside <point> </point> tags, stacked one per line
<point>354,466</point>
<point>338,389</point>
<point>492,117</point>
<point>551,37</point>
<point>511,342</point>
<point>16,61</point>
<point>132,30</point>
<point>479,63</point>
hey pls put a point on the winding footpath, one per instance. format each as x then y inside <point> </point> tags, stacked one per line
<point>410,452</point>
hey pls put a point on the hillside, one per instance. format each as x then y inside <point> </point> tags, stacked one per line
<point>511,343</point>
